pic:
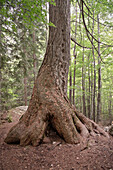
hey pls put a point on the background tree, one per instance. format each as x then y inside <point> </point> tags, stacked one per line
<point>87,21</point>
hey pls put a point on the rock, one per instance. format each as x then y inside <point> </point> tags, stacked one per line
<point>13,115</point>
<point>106,128</point>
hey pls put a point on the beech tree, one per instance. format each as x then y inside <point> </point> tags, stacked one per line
<point>49,104</point>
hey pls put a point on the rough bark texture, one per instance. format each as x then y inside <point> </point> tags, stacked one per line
<point>83,83</point>
<point>99,76</point>
<point>49,104</point>
<point>70,84</point>
<point>75,57</point>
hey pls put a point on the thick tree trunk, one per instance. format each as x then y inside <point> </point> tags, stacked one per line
<point>49,104</point>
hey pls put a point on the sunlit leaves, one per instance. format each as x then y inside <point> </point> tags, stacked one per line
<point>27,10</point>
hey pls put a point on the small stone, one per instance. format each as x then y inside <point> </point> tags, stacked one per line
<point>54,142</point>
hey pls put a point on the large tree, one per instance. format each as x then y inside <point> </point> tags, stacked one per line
<point>49,104</point>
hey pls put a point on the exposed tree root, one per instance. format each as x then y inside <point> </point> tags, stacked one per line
<point>92,127</point>
<point>71,125</point>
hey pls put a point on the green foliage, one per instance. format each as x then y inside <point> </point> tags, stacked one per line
<point>9,118</point>
<point>103,9</point>
<point>21,46</point>
<point>29,11</point>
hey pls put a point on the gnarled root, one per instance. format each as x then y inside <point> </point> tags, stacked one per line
<point>27,134</point>
<point>71,125</point>
<point>15,133</point>
<point>92,127</point>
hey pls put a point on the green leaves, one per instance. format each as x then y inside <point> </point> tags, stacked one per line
<point>51,24</point>
<point>78,48</point>
<point>29,11</point>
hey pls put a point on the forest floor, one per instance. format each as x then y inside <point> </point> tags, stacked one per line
<point>53,154</point>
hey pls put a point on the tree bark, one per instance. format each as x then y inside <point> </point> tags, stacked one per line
<point>70,84</point>
<point>94,86</point>
<point>89,81</point>
<point>49,104</point>
<point>75,56</point>
<point>89,90</point>
<point>25,90</point>
<point>83,82</point>
<point>99,76</point>
<point>110,107</point>
<point>34,57</point>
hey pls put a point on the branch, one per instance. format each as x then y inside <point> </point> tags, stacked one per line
<point>97,21</point>
<point>87,7</point>
<point>87,31</point>
<point>79,44</point>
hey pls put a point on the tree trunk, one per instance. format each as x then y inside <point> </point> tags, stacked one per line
<point>34,57</point>
<point>70,84</point>
<point>91,113</point>
<point>89,81</point>
<point>99,76</point>
<point>89,89</point>
<point>49,104</point>
<point>83,82</point>
<point>94,65</point>
<point>110,107</point>
<point>75,56</point>
<point>25,90</point>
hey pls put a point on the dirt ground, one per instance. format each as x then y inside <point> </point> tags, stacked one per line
<point>53,154</point>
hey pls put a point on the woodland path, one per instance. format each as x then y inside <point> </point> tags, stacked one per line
<point>55,155</point>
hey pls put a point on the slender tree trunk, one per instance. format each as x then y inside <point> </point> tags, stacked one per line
<point>94,89</point>
<point>34,58</point>
<point>99,76</point>
<point>70,84</point>
<point>46,26</point>
<point>74,79</point>
<point>75,56</point>
<point>89,81</point>
<point>83,83</point>
<point>89,91</point>
<point>94,92</point>
<point>25,90</point>
<point>25,76</point>
<point>49,104</point>
<point>110,107</point>
<point>91,88</point>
